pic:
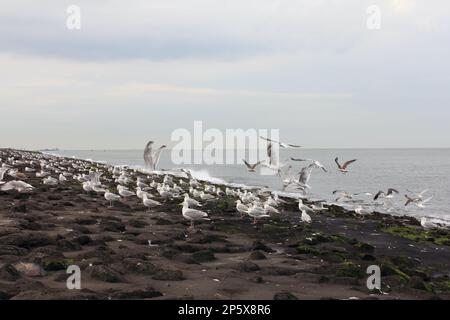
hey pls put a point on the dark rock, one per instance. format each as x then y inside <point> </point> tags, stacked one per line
<point>417,283</point>
<point>85,221</point>
<point>5,296</point>
<point>12,250</point>
<point>27,240</point>
<point>257,255</point>
<point>148,293</point>
<point>9,273</point>
<point>54,197</point>
<point>137,223</point>
<point>203,256</point>
<point>368,257</point>
<point>113,226</point>
<point>67,245</point>
<point>22,207</point>
<point>257,280</point>
<point>258,245</point>
<point>247,266</point>
<point>169,275</point>
<point>280,271</point>
<point>170,253</point>
<point>105,273</point>
<point>140,266</point>
<point>83,240</point>
<point>284,296</point>
<point>55,264</point>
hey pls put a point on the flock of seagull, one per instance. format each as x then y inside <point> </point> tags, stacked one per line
<point>130,183</point>
<point>299,181</point>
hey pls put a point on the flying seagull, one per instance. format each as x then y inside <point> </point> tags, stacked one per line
<point>282,144</point>
<point>343,168</point>
<point>315,162</point>
<point>251,167</point>
<point>151,158</point>
<point>388,195</point>
<point>419,202</point>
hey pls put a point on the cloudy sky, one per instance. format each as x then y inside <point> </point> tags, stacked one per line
<point>137,70</point>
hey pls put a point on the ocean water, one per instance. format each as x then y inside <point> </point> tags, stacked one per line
<point>376,169</point>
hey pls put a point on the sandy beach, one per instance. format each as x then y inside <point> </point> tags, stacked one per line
<point>126,251</point>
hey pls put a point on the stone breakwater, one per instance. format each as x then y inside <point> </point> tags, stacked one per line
<point>128,252</point>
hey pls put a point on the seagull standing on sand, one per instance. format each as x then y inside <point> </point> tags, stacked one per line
<point>343,168</point>
<point>305,217</point>
<point>241,208</point>
<point>190,201</point>
<point>192,214</point>
<point>111,197</point>
<point>149,203</point>
<point>257,213</point>
<point>124,192</point>
<point>427,224</point>
<point>269,209</point>
<point>303,207</point>
<point>17,185</point>
<point>151,158</point>
<point>2,173</point>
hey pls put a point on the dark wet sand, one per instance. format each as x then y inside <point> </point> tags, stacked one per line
<point>225,258</point>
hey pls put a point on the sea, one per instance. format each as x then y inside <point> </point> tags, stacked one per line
<point>407,170</point>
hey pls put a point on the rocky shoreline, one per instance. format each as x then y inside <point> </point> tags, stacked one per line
<point>128,252</point>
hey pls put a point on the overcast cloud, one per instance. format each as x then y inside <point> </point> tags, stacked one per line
<point>140,69</point>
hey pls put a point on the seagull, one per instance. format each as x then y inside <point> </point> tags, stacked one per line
<point>318,207</point>
<point>303,207</point>
<point>361,211</point>
<point>111,197</point>
<point>190,201</point>
<point>272,162</point>
<point>269,209</point>
<point>241,208</point>
<point>305,175</point>
<point>151,158</point>
<point>419,202</point>
<point>62,178</point>
<point>315,162</point>
<point>17,185</point>
<point>419,195</point>
<point>257,213</point>
<point>150,203</point>
<point>206,196</point>
<point>251,167</point>
<point>50,181</point>
<point>305,217</point>
<point>341,194</point>
<point>343,168</point>
<point>2,173</point>
<point>124,192</point>
<point>427,224</point>
<point>193,214</point>
<point>282,144</point>
<point>388,195</point>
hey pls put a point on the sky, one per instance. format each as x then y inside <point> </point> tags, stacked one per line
<point>138,70</point>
